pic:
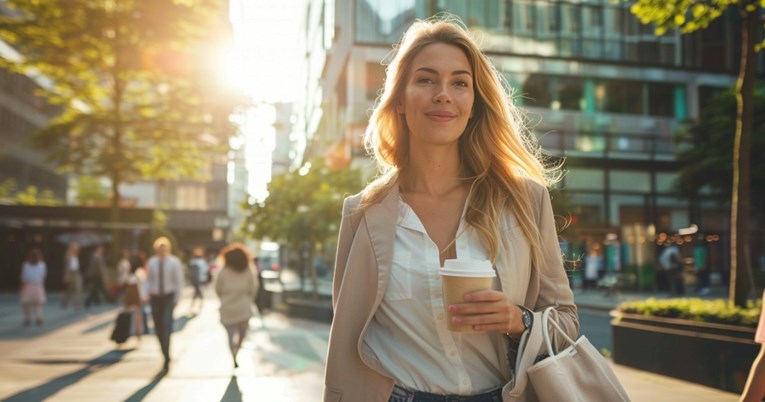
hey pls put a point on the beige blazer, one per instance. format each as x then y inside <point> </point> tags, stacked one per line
<point>362,270</point>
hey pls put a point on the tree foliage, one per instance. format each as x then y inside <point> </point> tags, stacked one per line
<point>131,81</point>
<point>302,208</point>
<point>708,163</point>
<point>31,195</point>
<point>690,16</point>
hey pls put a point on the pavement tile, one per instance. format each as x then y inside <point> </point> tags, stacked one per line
<point>71,359</point>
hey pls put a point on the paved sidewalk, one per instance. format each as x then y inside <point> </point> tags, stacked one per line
<point>71,359</point>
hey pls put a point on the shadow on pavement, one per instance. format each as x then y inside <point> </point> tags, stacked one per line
<point>44,391</point>
<point>181,322</point>
<point>232,394</point>
<point>141,393</point>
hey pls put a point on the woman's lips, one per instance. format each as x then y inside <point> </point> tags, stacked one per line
<point>440,116</point>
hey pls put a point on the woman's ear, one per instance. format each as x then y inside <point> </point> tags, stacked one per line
<point>399,108</point>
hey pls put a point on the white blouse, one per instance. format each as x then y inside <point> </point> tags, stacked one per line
<point>408,334</point>
<point>33,274</point>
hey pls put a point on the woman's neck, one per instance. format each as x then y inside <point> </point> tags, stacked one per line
<point>434,173</point>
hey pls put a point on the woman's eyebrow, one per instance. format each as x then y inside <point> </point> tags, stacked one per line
<point>433,71</point>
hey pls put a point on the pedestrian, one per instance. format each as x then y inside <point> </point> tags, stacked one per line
<point>671,263</point>
<point>96,278</point>
<point>460,177</point>
<point>165,281</point>
<point>262,301</point>
<point>754,390</point>
<point>72,277</point>
<point>593,267</point>
<point>32,294</point>
<point>198,271</point>
<point>123,272</point>
<point>136,294</point>
<point>236,287</point>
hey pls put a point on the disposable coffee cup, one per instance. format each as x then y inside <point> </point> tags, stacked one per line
<point>463,276</point>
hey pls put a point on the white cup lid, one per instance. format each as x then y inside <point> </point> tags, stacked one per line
<point>468,268</point>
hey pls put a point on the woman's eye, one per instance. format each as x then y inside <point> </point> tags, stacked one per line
<point>461,83</point>
<point>424,81</point>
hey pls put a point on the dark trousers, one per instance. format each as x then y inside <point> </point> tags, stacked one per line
<point>162,314</point>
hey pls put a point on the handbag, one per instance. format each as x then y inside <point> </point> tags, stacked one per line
<point>578,373</point>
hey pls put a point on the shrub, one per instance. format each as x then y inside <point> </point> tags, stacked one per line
<point>712,311</point>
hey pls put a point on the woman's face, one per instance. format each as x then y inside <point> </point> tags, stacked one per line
<point>438,96</point>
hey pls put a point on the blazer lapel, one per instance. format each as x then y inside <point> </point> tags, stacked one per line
<point>381,221</point>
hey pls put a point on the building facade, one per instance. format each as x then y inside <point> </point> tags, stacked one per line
<point>601,90</point>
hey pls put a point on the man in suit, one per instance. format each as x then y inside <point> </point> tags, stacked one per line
<point>165,281</point>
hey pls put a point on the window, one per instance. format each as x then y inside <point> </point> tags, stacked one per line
<point>619,97</point>
<point>570,93</point>
<point>537,91</point>
<point>632,181</point>
<point>584,179</point>
<point>661,99</point>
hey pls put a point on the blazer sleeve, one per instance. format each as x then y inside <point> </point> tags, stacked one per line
<point>348,226</point>
<point>554,289</point>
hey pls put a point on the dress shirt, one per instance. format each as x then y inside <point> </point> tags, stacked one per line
<point>408,334</point>
<point>173,279</point>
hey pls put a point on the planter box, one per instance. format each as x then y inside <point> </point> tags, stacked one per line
<point>714,355</point>
<point>317,310</point>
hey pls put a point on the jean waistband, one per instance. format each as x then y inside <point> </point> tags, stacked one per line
<point>404,395</point>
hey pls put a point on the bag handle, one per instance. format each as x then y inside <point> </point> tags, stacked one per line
<point>528,348</point>
<point>546,331</point>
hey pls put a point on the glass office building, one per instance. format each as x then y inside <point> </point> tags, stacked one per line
<point>602,91</point>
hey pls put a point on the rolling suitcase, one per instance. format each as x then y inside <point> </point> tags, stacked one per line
<point>122,327</point>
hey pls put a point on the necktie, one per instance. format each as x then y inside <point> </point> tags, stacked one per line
<point>161,276</point>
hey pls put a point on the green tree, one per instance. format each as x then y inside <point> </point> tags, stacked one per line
<point>90,191</point>
<point>131,80</point>
<point>689,16</point>
<point>708,163</point>
<point>303,209</point>
<point>31,195</point>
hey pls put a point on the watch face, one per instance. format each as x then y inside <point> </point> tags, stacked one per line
<point>526,319</point>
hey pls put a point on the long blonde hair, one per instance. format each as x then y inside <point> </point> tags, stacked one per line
<point>497,153</point>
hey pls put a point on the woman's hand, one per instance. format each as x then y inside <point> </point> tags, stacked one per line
<point>488,311</point>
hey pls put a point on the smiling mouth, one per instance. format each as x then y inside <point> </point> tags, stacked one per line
<point>441,116</point>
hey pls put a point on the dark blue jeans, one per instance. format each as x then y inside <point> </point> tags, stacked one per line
<point>403,395</point>
<point>162,313</point>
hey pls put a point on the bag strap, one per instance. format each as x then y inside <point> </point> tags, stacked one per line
<point>528,349</point>
<point>546,322</point>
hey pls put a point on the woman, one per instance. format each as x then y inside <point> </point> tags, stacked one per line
<point>33,273</point>
<point>136,295</point>
<point>72,277</point>
<point>754,391</point>
<point>236,287</point>
<point>460,178</point>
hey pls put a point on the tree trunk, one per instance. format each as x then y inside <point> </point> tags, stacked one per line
<point>740,269</point>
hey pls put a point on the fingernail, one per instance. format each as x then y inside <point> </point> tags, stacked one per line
<point>452,308</point>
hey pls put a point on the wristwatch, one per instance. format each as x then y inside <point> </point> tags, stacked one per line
<point>527,316</point>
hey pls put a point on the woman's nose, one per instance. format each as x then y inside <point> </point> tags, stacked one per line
<point>441,96</point>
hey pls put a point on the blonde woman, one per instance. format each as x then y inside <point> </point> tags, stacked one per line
<point>72,277</point>
<point>236,286</point>
<point>460,178</point>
